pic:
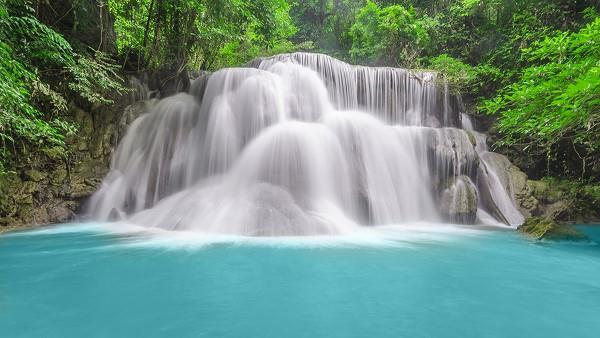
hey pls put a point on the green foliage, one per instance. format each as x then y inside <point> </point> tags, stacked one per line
<point>105,80</point>
<point>38,70</point>
<point>392,35</point>
<point>532,64</point>
<point>20,120</point>
<point>37,42</point>
<point>174,34</point>
<point>459,75</point>
<point>237,53</point>
<point>557,98</point>
<point>464,78</point>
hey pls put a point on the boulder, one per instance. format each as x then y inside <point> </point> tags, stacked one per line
<point>545,229</point>
<point>459,201</point>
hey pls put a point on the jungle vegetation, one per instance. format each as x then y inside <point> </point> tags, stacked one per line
<point>532,67</point>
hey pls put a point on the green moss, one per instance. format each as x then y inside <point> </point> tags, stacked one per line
<point>35,175</point>
<point>542,228</point>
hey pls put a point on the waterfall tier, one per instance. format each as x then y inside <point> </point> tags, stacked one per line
<point>304,144</point>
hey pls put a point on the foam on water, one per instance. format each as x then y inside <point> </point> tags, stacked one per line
<point>133,235</point>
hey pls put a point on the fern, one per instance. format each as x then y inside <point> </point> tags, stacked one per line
<point>94,78</point>
<point>35,41</point>
<point>38,69</point>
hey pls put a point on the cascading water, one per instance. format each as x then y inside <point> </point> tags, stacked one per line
<point>303,144</point>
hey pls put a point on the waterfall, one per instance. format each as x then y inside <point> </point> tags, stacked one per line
<point>303,144</point>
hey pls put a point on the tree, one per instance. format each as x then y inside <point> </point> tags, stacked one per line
<point>392,35</point>
<point>554,107</point>
<point>175,34</point>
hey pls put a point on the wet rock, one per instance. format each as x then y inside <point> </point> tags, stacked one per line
<point>450,153</point>
<point>114,215</point>
<point>515,183</point>
<point>486,197</point>
<point>542,228</point>
<point>61,212</point>
<point>131,113</point>
<point>459,201</point>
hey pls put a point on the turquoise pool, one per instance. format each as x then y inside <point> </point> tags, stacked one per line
<point>84,281</point>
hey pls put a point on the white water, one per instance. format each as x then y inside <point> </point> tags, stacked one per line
<point>302,144</point>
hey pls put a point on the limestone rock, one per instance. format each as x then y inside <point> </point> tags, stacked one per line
<point>62,212</point>
<point>515,182</point>
<point>542,228</point>
<point>51,188</point>
<point>459,201</point>
<point>35,175</point>
<point>131,113</point>
<point>551,202</point>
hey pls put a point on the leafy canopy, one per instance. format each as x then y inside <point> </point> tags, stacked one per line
<point>557,98</point>
<point>203,33</point>
<point>392,35</point>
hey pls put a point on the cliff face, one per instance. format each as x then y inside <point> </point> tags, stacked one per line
<point>51,188</point>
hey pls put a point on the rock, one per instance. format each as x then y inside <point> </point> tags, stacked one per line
<point>459,201</point>
<point>59,175</point>
<point>539,189</point>
<point>114,215</point>
<point>24,199</point>
<point>486,197</point>
<point>131,113</point>
<point>35,175</point>
<point>29,187</point>
<point>554,210</point>
<point>80,191</point>
<point>515,183</point>
<point>50,186</point>
<point>61,213</point>
<point>552,202</point>
<point>9,185</point>
<point>8,207</point>
<point>542,228</point>
<point>9,222</point>
<point>450,153</point>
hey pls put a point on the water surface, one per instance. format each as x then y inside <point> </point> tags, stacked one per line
<point>76,281</point>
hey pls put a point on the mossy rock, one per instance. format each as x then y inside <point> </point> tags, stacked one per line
<point>35,175</point>
<point>543,228</point>
<point>539,189</point>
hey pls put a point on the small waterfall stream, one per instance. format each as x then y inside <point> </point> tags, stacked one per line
<point>304,144</point>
